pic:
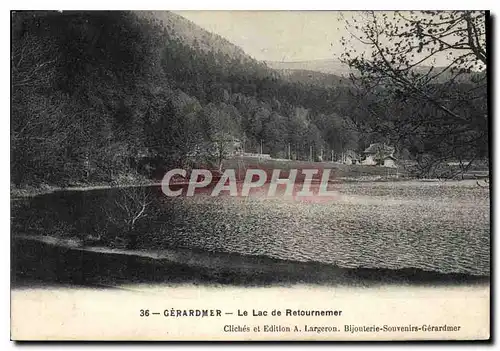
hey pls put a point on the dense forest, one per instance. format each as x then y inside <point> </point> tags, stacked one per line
<point>96,95</point>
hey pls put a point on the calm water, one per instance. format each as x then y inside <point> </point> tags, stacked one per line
<point>443,228</point>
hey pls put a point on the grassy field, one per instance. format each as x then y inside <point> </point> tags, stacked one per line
<point>343,172</point>
<point>338,171</point>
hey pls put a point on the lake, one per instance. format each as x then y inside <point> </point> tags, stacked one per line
<point>439,227</point>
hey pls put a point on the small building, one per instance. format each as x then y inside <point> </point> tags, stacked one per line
<point>236,147</point>
<point>389,161</point>
<point>380,155</point>
<point>350,157</point>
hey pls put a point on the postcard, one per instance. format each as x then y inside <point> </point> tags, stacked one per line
<point>250,175</point>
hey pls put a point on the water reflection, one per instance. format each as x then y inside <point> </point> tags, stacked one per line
<point>447,237</point>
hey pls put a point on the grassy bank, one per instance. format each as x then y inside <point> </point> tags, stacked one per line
<point>41,189</point>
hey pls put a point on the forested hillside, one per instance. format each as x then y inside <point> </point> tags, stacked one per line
<point>96,95</point>
<point>326,66</point>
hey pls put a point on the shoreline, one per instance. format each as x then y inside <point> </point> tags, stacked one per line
<point>35,262</point>
<point>30,192</point>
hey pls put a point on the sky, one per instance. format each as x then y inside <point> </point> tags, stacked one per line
<point>276,35</point>
<point>288,35</point>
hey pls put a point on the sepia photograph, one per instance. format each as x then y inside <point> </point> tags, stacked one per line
<point>250,175</point>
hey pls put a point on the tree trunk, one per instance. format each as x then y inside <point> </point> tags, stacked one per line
<point>132,239</point>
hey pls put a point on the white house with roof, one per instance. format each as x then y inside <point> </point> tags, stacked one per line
<point>350,157</point>
<point>379,154</point>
